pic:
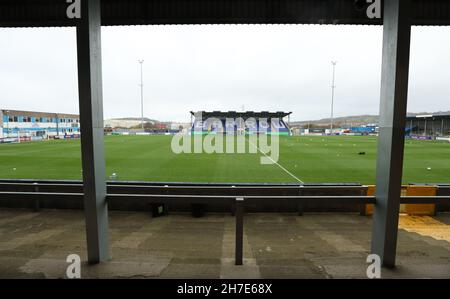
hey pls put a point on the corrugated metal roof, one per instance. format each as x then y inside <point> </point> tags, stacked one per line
<point>244,114</point>
<point>44,13</point>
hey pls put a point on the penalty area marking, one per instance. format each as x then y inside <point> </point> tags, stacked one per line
<point>279,165</point>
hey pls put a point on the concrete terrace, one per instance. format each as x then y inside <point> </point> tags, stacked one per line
<point>35,245</point>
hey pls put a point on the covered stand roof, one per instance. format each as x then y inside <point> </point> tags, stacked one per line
<point>437,115</point>
<point>44,13</point>
<point>234,114</point>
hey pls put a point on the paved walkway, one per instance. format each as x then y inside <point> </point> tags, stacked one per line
<point>179,246</point>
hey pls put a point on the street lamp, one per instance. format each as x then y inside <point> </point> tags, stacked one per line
<point>332,96</point>
<point>142,96</point>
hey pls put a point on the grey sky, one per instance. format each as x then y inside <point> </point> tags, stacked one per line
<point>222,67</point>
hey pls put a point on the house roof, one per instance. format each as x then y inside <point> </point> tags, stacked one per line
<point>10,112</point>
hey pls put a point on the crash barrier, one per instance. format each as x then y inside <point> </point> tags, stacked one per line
<point>38,194</point>
<point>130,203</point>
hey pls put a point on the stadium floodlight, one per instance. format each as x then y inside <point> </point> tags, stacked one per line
<point>332,96</point>
<point>142,96</point>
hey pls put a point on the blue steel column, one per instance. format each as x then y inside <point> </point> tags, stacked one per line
<point>91,126</point>
<point>394,94</point>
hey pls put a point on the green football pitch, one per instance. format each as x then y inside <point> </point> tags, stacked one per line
<point>302,159</point>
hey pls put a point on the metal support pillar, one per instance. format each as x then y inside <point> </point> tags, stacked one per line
<point>239,231</point>
<point>433,131</point>
<point>425,129</point>
<point>391,140</point>
<point>300,209</point>
<point>91,122</point>
<point>36,201</point>
<point>300,205</point>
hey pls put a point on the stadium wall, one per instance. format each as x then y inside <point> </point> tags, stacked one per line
<point>124,199</point>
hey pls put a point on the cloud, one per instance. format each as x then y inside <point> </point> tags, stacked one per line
<point>221,67</point>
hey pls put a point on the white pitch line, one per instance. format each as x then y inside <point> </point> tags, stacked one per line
<point>287,171</point>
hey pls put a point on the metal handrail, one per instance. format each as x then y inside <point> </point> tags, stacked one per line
<point>179,186</point>
<point>344,198</point>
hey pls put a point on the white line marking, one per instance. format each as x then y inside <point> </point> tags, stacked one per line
<point>287,171</point>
